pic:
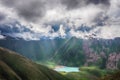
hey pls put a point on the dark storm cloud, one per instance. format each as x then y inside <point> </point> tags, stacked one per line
<point>73,4</point>
<point>105,2</point>
<point>100,19</point>
<point>9,2</point>
<point>2,16</point>
<point>30,10</point>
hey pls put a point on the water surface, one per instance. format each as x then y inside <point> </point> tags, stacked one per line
<point>67,69</point>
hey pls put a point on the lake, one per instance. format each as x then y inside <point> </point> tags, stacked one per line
<point>67,69</point>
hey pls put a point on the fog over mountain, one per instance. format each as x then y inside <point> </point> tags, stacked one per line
<point>36,19</point>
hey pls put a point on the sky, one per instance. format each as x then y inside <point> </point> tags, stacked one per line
<point>36,19</point>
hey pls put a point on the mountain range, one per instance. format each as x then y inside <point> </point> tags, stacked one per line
<point>104,53</point>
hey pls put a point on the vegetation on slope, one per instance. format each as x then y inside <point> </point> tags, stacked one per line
<point>92,52</point>
<point>113,76</point>
<point>17,67</point>
<point>91,73</point>
<point>71,53</point>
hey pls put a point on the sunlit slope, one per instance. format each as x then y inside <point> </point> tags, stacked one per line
<point>38,50</point>
<point>17,67</point>
<point>71,53</point>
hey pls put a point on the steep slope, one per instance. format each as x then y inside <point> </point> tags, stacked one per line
<point>104,53</point>
<point>16,67</point>
<point>35,50</point>
<point>99,52</point>
<point>71,53</point>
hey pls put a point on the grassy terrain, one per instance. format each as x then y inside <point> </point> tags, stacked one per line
<point>47,63</point>
<point>86,73</point>
<point>17,67</point>
<point>113,76</point>
<point>94,71</point>
<point>89,73</point>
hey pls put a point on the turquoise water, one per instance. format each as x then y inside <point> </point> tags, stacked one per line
<point>68,69</point>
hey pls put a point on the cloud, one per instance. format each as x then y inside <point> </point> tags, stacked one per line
<point>2,37</point>
<point>73,4</point>
<point>35,10</point>
<point>114,9</point>
<point>62,31</point>
<point>60,18</point>
<point>30,10</point>
<point>105,2</point>
<point>109,32</point>
<point>2,16</point>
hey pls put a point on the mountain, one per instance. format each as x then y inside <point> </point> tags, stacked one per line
<point>71,53</point>
<point>104,53</point>
<point>37,50</point>
<point>16,67</point>
<point>99,52</point>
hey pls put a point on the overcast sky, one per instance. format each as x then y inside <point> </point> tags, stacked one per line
<point>35,19</point>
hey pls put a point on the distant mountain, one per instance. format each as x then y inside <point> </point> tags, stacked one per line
<point>71,53</point>
<point>104,53</point>
<point>16,67</point>
<point>34,49</point>
<point>100,52</point>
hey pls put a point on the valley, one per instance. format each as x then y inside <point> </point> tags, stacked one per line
<point>74,58</point>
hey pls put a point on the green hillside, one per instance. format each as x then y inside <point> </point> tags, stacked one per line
<point>16,67</point>
<point>113,76</point>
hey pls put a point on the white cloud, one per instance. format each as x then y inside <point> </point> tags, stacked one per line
<point>62,31</point>
<point>109,32</point>
<point>77,34</point>
<point>2,37</point>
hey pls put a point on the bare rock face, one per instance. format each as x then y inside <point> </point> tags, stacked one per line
<point>112,62</point>
<point>91,56</point>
